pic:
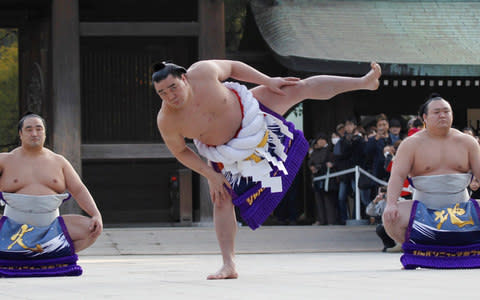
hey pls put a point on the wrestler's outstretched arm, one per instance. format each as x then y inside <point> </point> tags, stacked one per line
<point>176,144</point>
<point>83,197</point>
<point>224,69</point>
<point>281,94</point>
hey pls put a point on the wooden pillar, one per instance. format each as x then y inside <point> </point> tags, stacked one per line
<point>211,41</point>
<point>34,45</point>
<point>66,131</point>
<point>211,45</point>
<point>186,205</point>
<point>206,206</point>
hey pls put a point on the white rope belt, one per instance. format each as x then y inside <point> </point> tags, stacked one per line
<point>247,155</point>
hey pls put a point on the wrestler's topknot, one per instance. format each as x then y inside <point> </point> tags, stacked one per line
<point>161,70</point>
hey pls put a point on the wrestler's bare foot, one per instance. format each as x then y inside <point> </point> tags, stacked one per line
<point>226,272</point>
<point>371,78</point>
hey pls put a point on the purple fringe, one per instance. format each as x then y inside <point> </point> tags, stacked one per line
<point>33,267</point>
<point>72,270</point>
<point>266,202</point>
<point>410,260</point>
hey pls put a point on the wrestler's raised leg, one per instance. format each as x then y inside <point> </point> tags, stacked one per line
<point>79,232</point>
<point>321,87</point>
<point>226,229</point>
<point>396,230</point>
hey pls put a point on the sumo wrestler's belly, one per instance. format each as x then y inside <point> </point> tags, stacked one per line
<point>221,127</point>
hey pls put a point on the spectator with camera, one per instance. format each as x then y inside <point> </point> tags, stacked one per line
<point>375,145</point>
<point>348,153</point>
<point>375,210</point>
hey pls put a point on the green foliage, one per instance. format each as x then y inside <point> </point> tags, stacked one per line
<point>8,86</point>
<point>235,12</point>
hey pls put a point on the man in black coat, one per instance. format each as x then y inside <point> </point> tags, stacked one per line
<point>320,161</point>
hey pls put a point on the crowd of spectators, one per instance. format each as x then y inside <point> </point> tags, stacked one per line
<point>373,149</point>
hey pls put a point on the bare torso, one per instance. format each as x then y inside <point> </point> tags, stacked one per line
<point>212,116</point>
<point>434,156</point>
<point>41,174</point>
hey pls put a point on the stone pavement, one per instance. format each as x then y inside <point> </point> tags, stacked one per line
<point>266,239</point>
<point>273,263</point>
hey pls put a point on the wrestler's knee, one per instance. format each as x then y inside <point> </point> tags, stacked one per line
<point>394,230</point>
<point>78,227</point>
<point>223,204</point>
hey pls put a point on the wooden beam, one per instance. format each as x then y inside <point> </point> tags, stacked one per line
<point>139,29</point>
<point>126,151</point>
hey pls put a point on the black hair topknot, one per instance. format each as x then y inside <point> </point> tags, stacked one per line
<point>161,70</point>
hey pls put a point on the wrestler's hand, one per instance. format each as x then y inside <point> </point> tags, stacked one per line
<point>390,214</point>
<point>218,185</point>
<point>276,84</point>
<point>95,226</point>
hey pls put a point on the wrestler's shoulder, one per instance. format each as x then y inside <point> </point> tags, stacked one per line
<point>4,156</point>
<point>164,118</point>
<point>466,138</point>
<point>199,67</point>
<point>456,132</point>
<point>414,139</point>
<point>7,155</point>
<point>460,136</point>
<point>56,157</point>
<point>203,69</point>
<point>202,64</point>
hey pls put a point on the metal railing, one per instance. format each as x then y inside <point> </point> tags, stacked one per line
<point>357,171</point>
